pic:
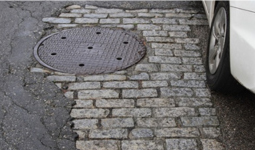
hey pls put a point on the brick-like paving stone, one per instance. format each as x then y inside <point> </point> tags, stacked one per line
<point>162,103</point>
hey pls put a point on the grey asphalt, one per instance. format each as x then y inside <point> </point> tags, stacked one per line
<point>34,114</point>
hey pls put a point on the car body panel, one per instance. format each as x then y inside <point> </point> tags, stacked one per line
<point>242,46</point>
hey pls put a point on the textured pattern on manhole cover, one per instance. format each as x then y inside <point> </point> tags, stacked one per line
<point>89,50</point>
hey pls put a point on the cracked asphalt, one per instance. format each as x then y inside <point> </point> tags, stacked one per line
<point>34,114</point>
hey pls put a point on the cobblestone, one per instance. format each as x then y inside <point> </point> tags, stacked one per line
<point>181,144</point>
<point>139,93</point>
<point>174,112</point>
<point>177,132</point>
<point>108,133</point>
<point>114,103</point>
<point>156,122</point>
<point>131,112</point>
<point>92,94</point>
<point>159,103</point>
<point>89,113</point>
<point>98,145</point>
<point>142,145</point>
<point>117,122</point>
<point>141,133</point>
<point>155,102</point>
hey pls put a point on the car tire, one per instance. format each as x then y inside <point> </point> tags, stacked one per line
<point>218,73</point>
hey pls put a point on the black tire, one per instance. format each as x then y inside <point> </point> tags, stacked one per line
<point>221,80</point>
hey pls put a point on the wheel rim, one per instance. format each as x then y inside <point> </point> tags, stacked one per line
<point>217,40</point>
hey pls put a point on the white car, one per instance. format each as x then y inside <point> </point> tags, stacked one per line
<point>230,56</point>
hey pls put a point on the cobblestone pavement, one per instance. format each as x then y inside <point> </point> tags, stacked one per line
<point>160,103</point>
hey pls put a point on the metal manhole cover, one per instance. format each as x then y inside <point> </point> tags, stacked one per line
<point>89,50</point>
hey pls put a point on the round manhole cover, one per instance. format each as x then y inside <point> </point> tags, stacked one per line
<point>89,50</point>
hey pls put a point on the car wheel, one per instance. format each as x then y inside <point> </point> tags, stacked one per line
<point>218,73</point>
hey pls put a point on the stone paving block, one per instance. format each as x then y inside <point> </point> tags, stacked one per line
<point>61,78</point>
<point>83,104</point>
<point>84,85</point>
<point>188,11</point>
<point>193,102</point>
<point>95,15</point>
<point>141,133</point>
<point>85,124</point>
<point>142,145</point>
<point>156,122</point>
<point>56,20</point>
<point>166,46</point>
<point>39,70</point>
<point>148,27</point>
<point>86,20</point>
<point>155,33</point>
<point>104,10</point>
<point>207,111</point>
<point>193,22</point>
<point>146,67</point>
<point>178,34</point>
<point>177,132</point>
<point>91,7</point>
<point>195,76</point>
<point>165,59</point>
<point>156,102</point>
<point>187,40</point>
<point>69,95</point>
<point>81,134</point>
<point>126,26</point>
<point>109,77</point>
<point>108,133</point>
<point>185,53</point>
<point>120,84</point>
<point>93,94</point>
<point>115,103</point>
<point>199,68</point>
<point>164,21</point>
<point>135,93</point>
<point>174,112</point>
<point>211,144</point>
<point>176,68</point>
<point>117,122</point>
<point>141,76</point>
<point>171,92</point>
<point>202,93</point>
<point>211,132</point>
<point>196,61</point>
<point>165,76</point>
<point>67,25</point>
<point>178,15</point>
<point>98,145</point>
<point>89,113</point>
<point>200,121</point>
<point>135,20</point>
<point>73,7</point>
<point>121,15</point>
<point>131,112</point>
<point>159,39</point>
<point>163,52</point>
<point>109,21</point>
<point>181,144</point>
<point>81,11</point>
<point>70,15</point>
<point>189,46</point>
<point>181,28</point>
<point>150,15</point>
<point>162,10</point>
<point>137,11</point>
<point>154,83</point>
<point>187,83</point>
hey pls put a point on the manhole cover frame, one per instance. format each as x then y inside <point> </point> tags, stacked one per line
<point>135,36</point>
